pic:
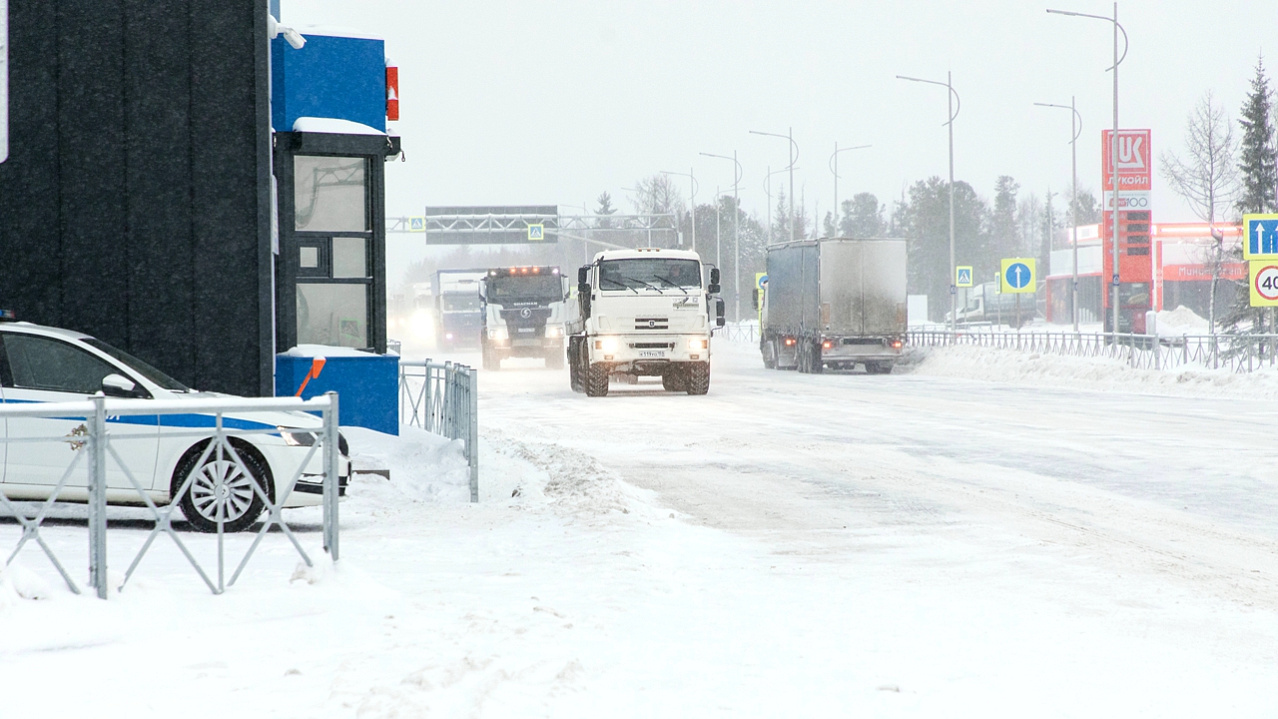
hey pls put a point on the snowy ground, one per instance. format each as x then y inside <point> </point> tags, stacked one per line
<point>978,534</point>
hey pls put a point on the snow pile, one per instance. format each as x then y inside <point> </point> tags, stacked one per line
<point>426,467</point>
<point>1100,373</point>
<point>1180,321</point>
<point>535,472</point>
<point>18,583</point>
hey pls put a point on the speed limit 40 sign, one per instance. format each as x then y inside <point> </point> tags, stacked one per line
<point>1264,283</point>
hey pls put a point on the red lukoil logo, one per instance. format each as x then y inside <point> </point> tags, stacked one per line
<point>1133,159</point>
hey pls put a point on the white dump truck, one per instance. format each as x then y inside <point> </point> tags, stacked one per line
<point>644,312</point>
<point>834,302</point>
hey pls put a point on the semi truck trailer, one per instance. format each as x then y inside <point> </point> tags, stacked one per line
<point>836,303</point>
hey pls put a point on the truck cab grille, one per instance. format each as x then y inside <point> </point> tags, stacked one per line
<point>652,323</point>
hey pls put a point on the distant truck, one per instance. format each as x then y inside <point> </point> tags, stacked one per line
<point>834,302</point>
<point>458,316</point>
<point>524,310</point>
<point>644,312</point>
<point>985,304</point>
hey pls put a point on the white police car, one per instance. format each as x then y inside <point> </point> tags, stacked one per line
<point>48,364</point>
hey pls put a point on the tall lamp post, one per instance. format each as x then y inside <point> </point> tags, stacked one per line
<point>794,157</point>
<point>736,229</point>
<point>834,167</point>
<point>1076,126</point>
<point>953,98</point>
<point>692,215</point>
<point>1113,140</point>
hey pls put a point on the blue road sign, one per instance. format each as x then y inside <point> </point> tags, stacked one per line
<point>1260,236</point>
<point>1019,275</point>
<point>964,277</point>
<point>763,280</point>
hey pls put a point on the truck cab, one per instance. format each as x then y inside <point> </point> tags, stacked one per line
<point>644,312</point>
<point>458,312</point>
<point>524,310</point>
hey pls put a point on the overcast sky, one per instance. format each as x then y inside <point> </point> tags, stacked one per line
<point>555,101</point>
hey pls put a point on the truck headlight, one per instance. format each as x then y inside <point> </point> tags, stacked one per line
<point>607,344</point>
<point>698,344</point>
<point>498,334</point>
<point>554,331</point>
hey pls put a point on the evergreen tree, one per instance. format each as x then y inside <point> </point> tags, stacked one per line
<point>1004,235</point>
<point>862,217</point>
<point>1257,162</point>
<point>924,221</point>
<point>1088,207</point>
<point>604,209</point>
<point>1259,181</point>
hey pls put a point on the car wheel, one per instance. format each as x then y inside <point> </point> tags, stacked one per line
<point>698,378</point>
<point>221,489</point>
<point>597,380</point>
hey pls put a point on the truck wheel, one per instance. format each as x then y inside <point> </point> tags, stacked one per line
<point>555,359</point>
<point>769,355</point>
<point>698,378</point>
<point>575,375</point>
<point>674,380</point>
<point>801,357</point>
<point>597,380</point>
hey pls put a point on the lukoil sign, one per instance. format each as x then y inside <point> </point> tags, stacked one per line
<point>1134,159</point>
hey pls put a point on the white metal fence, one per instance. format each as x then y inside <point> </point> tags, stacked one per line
<point>101,451</point>
<point>1236,353</point>
<point>443,397</point>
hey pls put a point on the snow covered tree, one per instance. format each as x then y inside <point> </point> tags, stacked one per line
<point>1004,235</point>
<point>1257,163</point>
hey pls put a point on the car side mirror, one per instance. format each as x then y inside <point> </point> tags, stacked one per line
<point>115,385</point>
<point>714,275</point>
<point>583,275</point>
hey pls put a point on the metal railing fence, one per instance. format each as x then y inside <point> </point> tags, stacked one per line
<point>97,438</point>
<point>1235,353</point>
<point>745,332</point>
<point>443,398</point>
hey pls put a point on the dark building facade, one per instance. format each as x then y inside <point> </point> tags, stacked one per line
<point>135,204</point>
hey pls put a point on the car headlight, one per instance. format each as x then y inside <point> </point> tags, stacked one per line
<point>297,437</point>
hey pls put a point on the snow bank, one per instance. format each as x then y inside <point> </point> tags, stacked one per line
<point>1099,373</point>
<point>326,351</point>
<point>1180,321</point>
<point>333,126</point>
<point>424,467</point>
<point>543,473</point>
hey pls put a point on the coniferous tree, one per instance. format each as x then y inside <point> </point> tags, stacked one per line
<point>1257,165</point>
<point>1004,237</point>
<point>862,217</point>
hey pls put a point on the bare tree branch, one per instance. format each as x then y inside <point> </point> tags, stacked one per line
<point>1208,176</point>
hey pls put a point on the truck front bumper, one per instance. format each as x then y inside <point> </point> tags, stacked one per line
<point>648,354</point>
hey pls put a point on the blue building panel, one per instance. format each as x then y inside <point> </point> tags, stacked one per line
<point>337,77</point>
<point>367,387</point>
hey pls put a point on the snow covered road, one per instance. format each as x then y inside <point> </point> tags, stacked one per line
<point>914,545</point>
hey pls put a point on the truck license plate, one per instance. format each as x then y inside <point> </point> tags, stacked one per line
<point>652,353</point>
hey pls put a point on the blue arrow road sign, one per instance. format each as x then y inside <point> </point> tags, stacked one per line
<point>1262,237</point>
<point>1018,275</point>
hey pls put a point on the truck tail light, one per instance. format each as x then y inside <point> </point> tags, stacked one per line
<point>789,341</point>
<point>827,344</point>
<point>896,344</point>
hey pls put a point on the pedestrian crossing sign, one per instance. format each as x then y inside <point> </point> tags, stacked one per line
<point>536,232</point>
<point>417,224</point>
<point>963,276</point>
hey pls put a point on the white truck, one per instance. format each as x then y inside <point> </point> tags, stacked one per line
<point>644,312</point>
<point>524,311</point>
<point>985,304</point>
<point>834,302</point>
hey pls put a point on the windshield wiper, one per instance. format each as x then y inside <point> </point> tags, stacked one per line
<point>648,284</point>
<point>671,283</point>
<point>619,283</point>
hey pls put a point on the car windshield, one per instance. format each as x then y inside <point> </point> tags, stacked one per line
<point>533,287</point>
<point>461,303</point>
<point>650,272</point>
<point>138,366</point>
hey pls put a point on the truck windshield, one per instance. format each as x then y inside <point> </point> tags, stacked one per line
<point>650,272</point>
<point>531,287</point>
<point>461,303</point>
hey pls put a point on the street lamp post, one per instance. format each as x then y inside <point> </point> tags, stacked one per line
<point>794,157</point>
<point>1076,128</point>
<point>736,229</point>
<point>693,214</point>
<point>834,167</point>
<point>1113,140</point>
<point>953,98</point>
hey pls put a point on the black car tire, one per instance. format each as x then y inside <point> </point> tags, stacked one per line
<point>698,378</point>
<point>199,504</point>
<point>597,380</point>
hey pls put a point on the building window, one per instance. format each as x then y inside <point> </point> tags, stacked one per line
<point>330,194</point>
<point>350,257</point>
<point>332,314</point>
